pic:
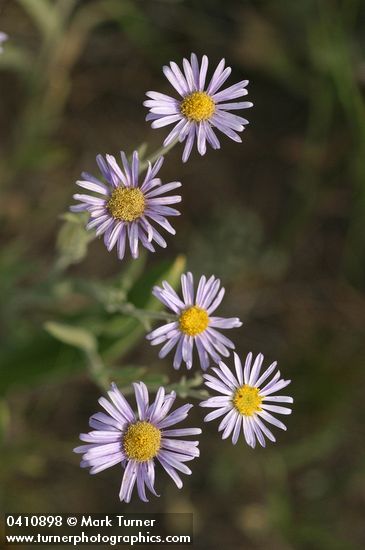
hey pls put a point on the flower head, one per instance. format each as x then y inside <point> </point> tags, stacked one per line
<point>200,108</point>
<point>137,440</point>
<point>3,38</point>
<point>125,209</point>
<point>193,322</point>
<point>246,401</point>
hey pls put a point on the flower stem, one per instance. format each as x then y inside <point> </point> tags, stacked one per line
<point>160,152</point>
<point>130,309</point>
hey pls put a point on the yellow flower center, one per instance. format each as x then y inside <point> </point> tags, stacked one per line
<point>126,204</point>
<point>193,320</point>
<point>247,400</point>
<point>197,106</point>
<point>142,441</point>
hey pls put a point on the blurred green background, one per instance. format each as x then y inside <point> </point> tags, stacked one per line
<point>280,218</point>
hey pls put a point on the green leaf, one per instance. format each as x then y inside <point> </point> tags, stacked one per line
<point>141,293</point>
<point>73,240</point>
<point>126,375</point>
<point>73,336</point>
<point>36,359</point>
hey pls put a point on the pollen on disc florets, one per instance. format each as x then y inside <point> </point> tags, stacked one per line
<point>127,204</point>
<point>193,321</point>
<point>247,400</point>
<point>142,441</point>
<point>197,106</point>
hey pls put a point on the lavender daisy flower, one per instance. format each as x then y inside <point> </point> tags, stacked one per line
<point>245,400</point>
<point>3,38</point>
<point>194,323</point>
<point>125,210</point>
<point>136,439</point>
<point>202,107</point>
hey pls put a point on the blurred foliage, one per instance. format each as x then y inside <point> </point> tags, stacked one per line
<point>72,241</point>
<point>280,218</point>
<point>86,307</point>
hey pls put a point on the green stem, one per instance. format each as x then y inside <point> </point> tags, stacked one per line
<point>160,152</point>
<point>98,371</point>
<point>130,309</point>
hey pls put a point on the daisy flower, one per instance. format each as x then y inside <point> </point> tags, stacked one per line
<point>3,38</point>
<point>193,322</point>
<point>126,210</point>
<point>246,402</point>
<point>137,440</point>
<point>200,107</point>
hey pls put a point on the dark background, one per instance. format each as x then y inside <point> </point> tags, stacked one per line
<point>280,218</point>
